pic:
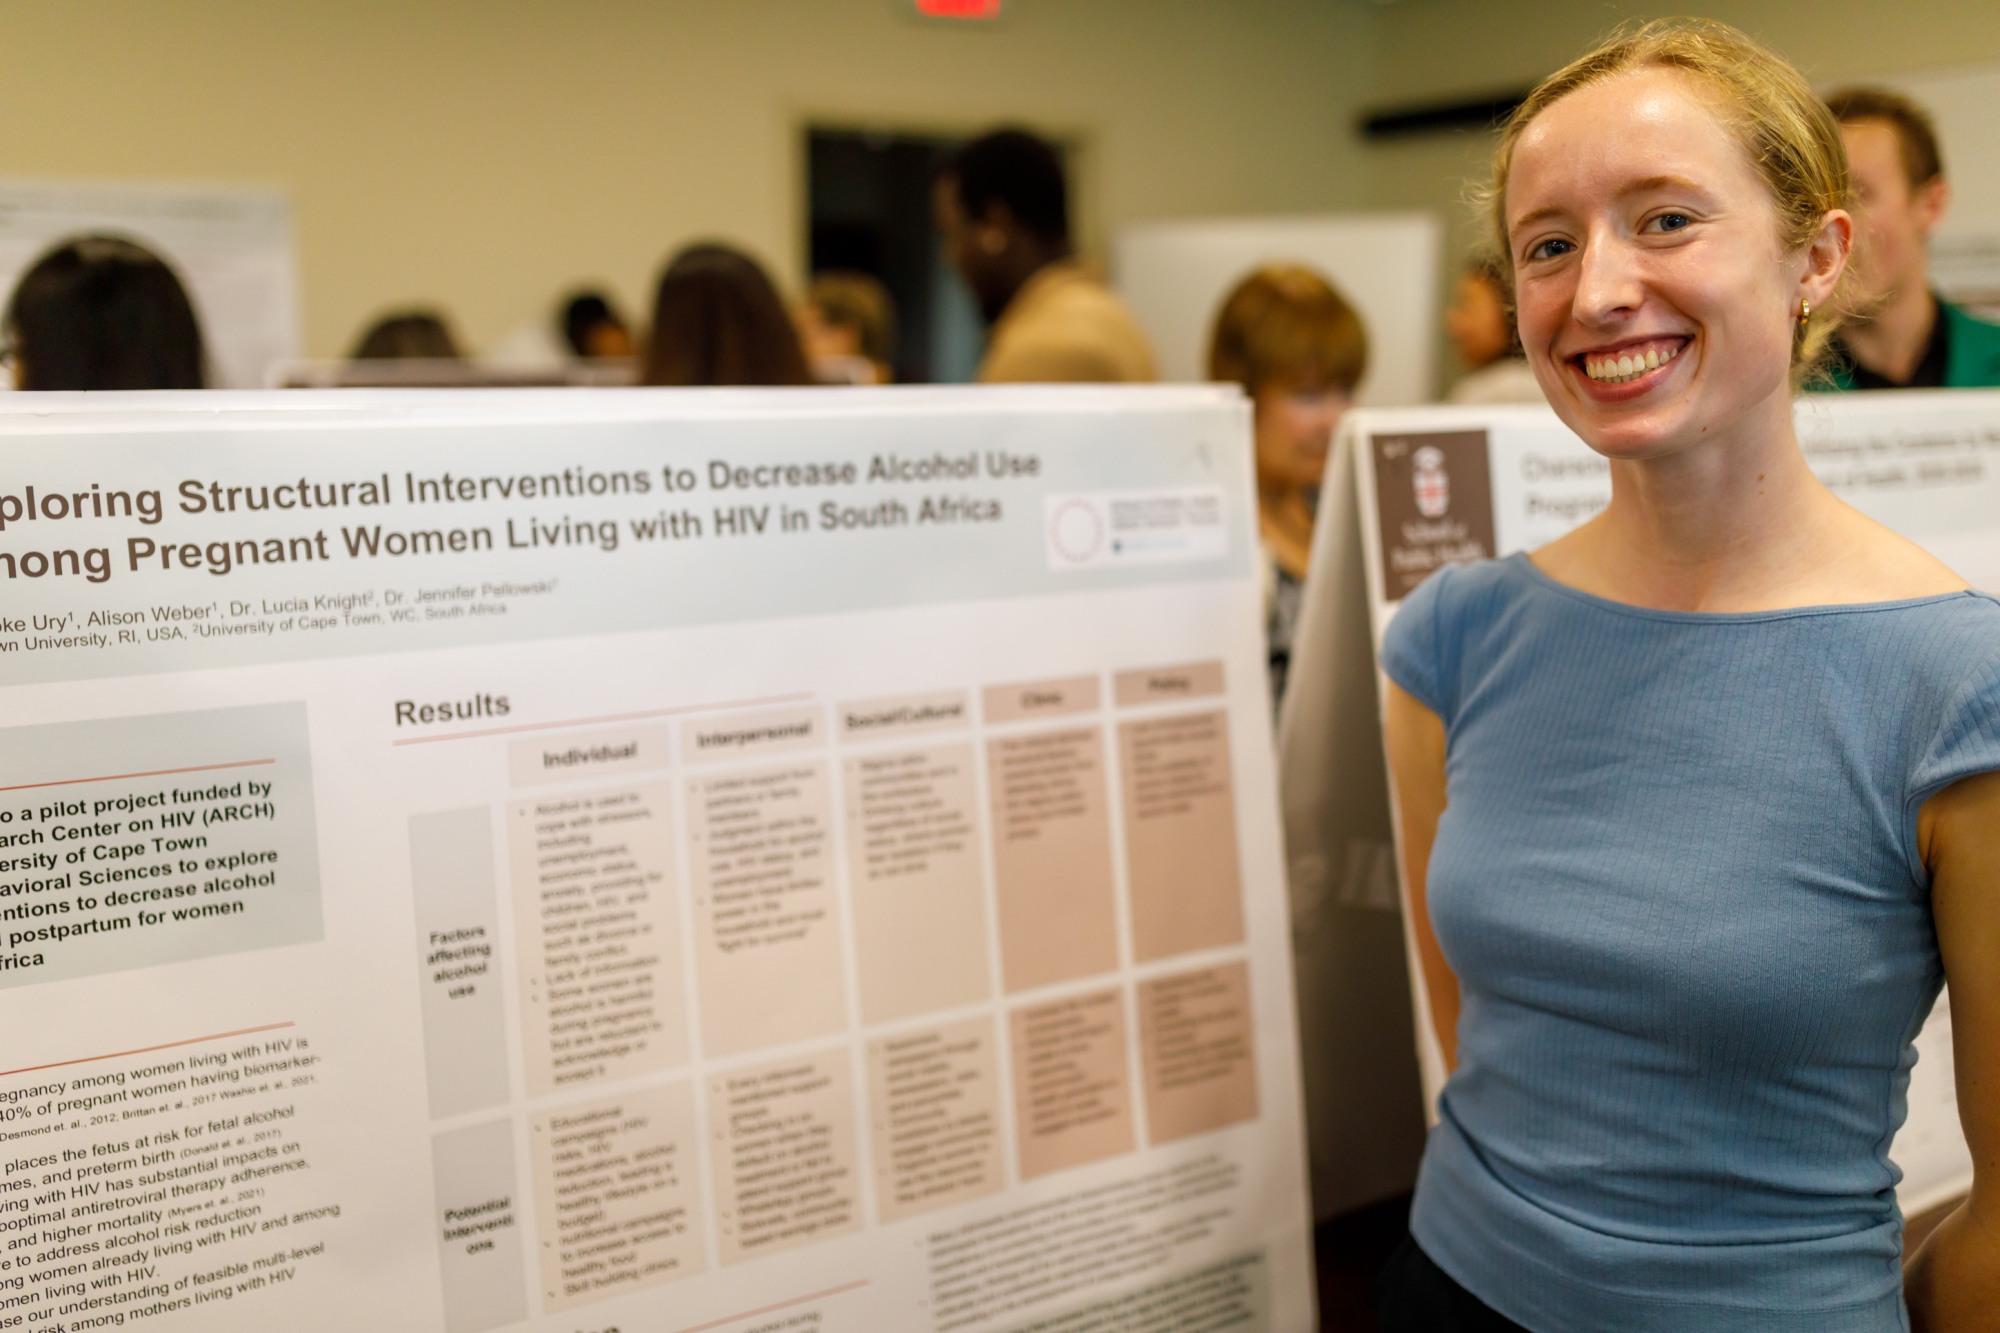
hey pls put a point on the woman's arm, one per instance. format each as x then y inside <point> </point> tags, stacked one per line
<point>1952,1283</point>
<point>1416,767</point>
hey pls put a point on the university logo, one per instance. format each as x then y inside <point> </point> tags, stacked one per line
<point>1430,481</point>
<point>1433,504</point>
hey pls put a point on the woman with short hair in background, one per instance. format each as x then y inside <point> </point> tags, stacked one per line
<point>103,312</point>
<point>718,320</point>
<point>1298,349</point>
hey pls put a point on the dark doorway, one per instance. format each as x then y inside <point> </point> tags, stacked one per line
<point>869,206</point>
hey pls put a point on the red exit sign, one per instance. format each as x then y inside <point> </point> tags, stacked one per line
<point>958,9</point>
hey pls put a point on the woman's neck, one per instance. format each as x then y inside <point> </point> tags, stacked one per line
<point>1733,525</point>
<point>1285,521</point>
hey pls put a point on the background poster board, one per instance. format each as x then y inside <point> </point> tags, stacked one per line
<point>1174,275</point>
<point>1925,464</point>
<point>231,246</point>
<point>559,860</point>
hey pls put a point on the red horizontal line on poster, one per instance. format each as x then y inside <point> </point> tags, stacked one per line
<point>773,1309</point>
<point>147,1050</point>
<point>150,773</point>
<point>606,719</point>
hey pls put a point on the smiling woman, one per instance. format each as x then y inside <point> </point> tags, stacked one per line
<point>1723,808</point>
<point>1785,136</point>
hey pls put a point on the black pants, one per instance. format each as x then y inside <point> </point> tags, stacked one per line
<point>1414,1295</point>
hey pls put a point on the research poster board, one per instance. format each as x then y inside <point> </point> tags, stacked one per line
<point>1175,276</point>
<point>1438,486</point>
<point>650,860</point>
<point>232,247</point>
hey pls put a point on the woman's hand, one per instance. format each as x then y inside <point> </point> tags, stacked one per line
<point>1952,1283</point>
<point>1415,737</point>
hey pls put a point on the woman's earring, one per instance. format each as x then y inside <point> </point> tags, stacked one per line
<point>1805,311</point>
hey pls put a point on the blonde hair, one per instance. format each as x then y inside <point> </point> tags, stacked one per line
<point>1791,137</point>
<point>854,300</point>
<point>1286,324</point>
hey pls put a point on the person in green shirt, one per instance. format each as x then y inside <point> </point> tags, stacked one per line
<point>1901,334</point>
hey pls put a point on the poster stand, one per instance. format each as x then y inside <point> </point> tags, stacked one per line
<point>1364,1096</point>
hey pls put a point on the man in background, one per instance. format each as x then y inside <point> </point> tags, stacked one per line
<point>1003,207</point>
<point>1901,334</point>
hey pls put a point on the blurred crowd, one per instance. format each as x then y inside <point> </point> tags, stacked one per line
<point>103,312</point>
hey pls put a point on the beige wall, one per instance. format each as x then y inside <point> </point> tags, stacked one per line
<point>1444,50</point>
<point>1436,47</point>
<point>485,154</point>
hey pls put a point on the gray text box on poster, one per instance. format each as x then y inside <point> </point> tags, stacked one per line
<point>458,951</point>
<point>479,1228</point>
<point>139,841</point>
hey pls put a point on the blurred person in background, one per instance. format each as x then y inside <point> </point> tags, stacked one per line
<point>1002,206</point>
<point>848,325</point>
<point>102,312</point>
<point>718,319</point>
<point>593,329</point>
<point>1480,323</point>
<point>1298,349</point>
<point>1900,334</point>
<point>416,334</point>
<point>583,328</point>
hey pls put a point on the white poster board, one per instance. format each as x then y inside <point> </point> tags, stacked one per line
<point>1926,464</point>
<point>232,248</point>
<point>649,860</point>
<point>1175,276</point>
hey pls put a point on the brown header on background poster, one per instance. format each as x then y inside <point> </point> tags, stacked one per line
<point>1434,497</point>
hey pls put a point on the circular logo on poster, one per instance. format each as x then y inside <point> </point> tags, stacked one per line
<point>1431,482</point>
<point>1076,531</point>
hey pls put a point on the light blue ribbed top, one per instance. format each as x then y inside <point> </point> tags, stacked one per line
<point>1678,880</point>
